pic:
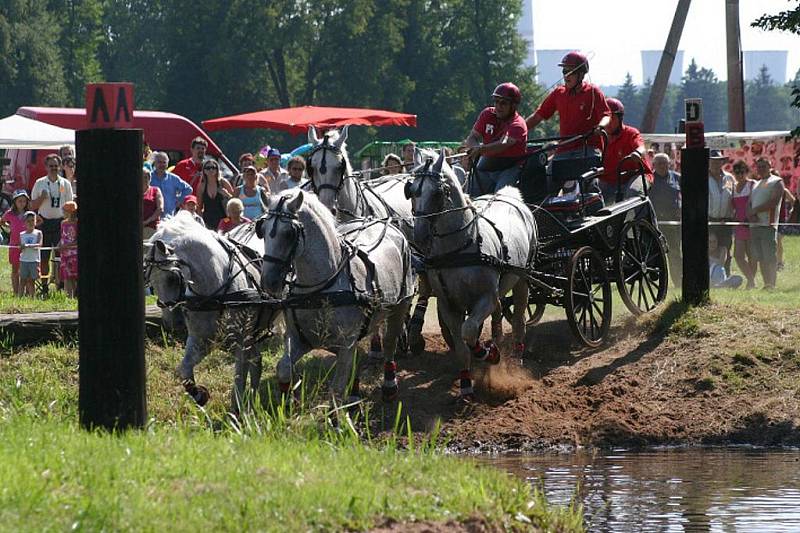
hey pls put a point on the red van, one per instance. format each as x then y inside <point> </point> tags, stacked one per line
<point>166,132</point>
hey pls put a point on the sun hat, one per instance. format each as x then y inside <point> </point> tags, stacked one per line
<point>190,198</point>
<point>30,214</point>
<point>249,167</point>
<point>273,152</point>
<point>18,193</point>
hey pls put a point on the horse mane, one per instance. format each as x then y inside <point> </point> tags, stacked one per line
<point>509,191</point>
<point>312,203</point>
<point>176,229</point>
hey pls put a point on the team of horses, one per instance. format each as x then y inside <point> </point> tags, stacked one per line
<point>345,258</point>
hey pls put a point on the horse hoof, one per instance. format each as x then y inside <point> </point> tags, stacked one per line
<point>488,352</point>
<point>202,396</point>
<point>466,399</point>
<point>389,394</point>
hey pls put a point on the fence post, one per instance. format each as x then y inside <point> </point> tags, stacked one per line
<point>694,224</point>
<point>110,283</point>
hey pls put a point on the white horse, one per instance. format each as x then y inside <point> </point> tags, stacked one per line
<point>331,177</point>
<point>479,250</point>
<point>199,271</point>
<point>345,284</point>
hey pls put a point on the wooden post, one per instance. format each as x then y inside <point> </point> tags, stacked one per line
<point>694,224</point>
<point>664,68</point>
<point>736,121</point>
<point>110,285</point>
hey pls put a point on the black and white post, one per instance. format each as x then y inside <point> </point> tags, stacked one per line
<point>110,282</point>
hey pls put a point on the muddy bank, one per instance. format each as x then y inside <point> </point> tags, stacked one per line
<point>714,375</point>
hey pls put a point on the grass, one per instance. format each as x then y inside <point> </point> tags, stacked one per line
<point>276,469</point>
<point>55,301</point>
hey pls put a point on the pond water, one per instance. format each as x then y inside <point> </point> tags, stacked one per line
<point>685,489</point>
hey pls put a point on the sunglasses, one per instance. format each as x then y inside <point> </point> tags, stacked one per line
<point>53,166</point>
<point>210,168</point>
<point>300,169</point>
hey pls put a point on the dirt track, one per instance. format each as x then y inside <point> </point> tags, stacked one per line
<point>674,378</point>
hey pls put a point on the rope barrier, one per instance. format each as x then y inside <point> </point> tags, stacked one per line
<point>746,224</point>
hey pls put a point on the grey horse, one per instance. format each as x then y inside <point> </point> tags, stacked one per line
<point>195,269</point>
<point>332,178</point>
<point>479,251</point>
<point>347,280</point>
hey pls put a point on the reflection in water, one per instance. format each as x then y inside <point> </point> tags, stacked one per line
<point>671,489</point>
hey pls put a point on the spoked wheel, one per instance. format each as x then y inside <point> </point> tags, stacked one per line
<point>588,297</point>
<point>641,267</point>
<point>533,311</point>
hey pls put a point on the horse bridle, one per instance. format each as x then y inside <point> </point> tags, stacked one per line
<point>171,264</point>
<point>325,147</point>
<point>279,215</point>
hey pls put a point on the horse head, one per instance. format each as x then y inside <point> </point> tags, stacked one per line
<point>431,193</point>
<point>328,165</point>
<point>167,274</point>
<point>282,232</point>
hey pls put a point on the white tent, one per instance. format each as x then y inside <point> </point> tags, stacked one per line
<point>24,133</point>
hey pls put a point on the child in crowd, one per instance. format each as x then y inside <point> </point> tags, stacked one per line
<point>190,204</point>
<point>30,241</point>
<point>68,246</point>
<point>15,218</point>
<point>717,256</point>
<point>234,211</point>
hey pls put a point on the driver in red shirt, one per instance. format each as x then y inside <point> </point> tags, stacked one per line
<point>622,141</point>
<point>498,141</point>
<point>581,105</point>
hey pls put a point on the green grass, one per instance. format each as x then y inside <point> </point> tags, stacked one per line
<point>55,301</point>
<point>190,469</point>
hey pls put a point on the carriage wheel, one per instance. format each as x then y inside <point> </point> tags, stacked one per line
<point>533,312</point>
<point>588,297</point>
<point>641,267</point>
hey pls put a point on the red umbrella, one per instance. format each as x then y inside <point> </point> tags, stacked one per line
<point>296,120</point>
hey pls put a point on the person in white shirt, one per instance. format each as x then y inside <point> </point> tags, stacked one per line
<point>720,201</point>
<point>297,167</point>
<point>763,210</point>
<point>48,197</point>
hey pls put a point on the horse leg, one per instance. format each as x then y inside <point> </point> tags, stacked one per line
<point>520,297</point>
<point>239,376</point>
<point>454,321</point>
<point>416,342</point>
<point>471,330</point>
<point>292,353</point>
<point>195,351</point>
<point>394,329</point>
<point>346,384</point>
<point>254,364</point>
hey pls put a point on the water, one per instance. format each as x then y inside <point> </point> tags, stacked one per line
<point>671,489</point>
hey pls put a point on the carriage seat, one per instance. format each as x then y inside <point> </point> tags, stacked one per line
<point>582,195</point>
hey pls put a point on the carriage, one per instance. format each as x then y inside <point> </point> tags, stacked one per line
<point>585,246</point>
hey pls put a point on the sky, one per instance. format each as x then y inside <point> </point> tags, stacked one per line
<point>612,33</point>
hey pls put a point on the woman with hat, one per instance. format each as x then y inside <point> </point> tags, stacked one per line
<point>720,202</point>
<point>15,219</point>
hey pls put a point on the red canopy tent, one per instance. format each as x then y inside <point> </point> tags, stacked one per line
<point>296,120</point>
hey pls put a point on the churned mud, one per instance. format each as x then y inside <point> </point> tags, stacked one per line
<point>711,375</point>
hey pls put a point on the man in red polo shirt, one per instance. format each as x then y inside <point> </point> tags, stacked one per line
<point>190,169</point>
<point>622,141</point>
<point>498,141</point>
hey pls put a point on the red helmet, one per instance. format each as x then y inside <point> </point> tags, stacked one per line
<point>615,106</point>
<point>575,60</point>
<point>508,90</point>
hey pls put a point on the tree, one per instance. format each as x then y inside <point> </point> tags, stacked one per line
<point>788,20</point>
<point>80,39</point>
<point>29,34</point>
<point>700,82</point>
<point>766,104</point>
<point>629,96</point>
